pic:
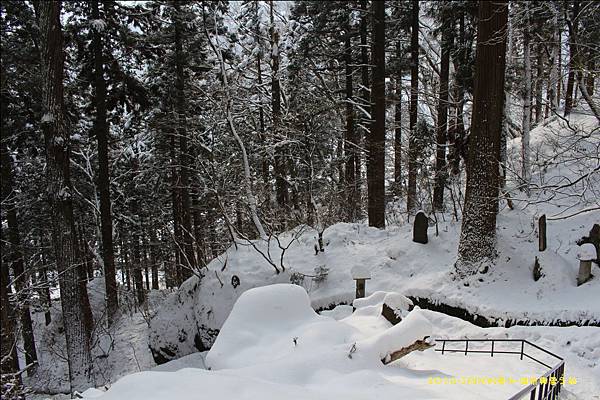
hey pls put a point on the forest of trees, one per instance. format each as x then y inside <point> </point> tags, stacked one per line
<point>141,139</point>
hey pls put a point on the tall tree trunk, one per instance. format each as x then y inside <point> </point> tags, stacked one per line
<point>261,111</point>
<point>478,234</point>
<point>539,82</point>
<point>16,256</point>
<point>554,69</point>
<point>59,193</point>
<point>411,199</point>
<point>351,139</point>
<point>376,157</point>
<point>525,164</point>
<point>398,136</point>
<point>138,282</point>
<point>591,76</point>
<point>365,101</point>
<point>154,259</point>
<point>189,260</point>
<point>101,129</point>
<point>45,285</point>
<point>442,121</point>
<point>9,361</point>
<point>279,167</point>
<point>572,57</point>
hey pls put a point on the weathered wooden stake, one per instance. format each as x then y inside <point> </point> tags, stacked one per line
<point>542,232</point>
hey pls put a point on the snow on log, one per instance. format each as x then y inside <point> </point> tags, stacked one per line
<point>413,333</point>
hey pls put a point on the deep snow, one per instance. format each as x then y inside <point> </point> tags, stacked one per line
<point>274,346</point>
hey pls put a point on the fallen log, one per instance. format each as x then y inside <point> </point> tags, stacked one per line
<point>419,345</point>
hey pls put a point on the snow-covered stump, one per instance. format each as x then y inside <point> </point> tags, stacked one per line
<point>586,254</point>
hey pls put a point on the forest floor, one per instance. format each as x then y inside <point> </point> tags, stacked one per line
<point>507,291</point>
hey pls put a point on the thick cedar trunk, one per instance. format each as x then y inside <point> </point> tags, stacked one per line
<point>101,129</point>
<point>572,59</point>
<point>376,142</point>
<point>59,193</point>
<point>351,139</point>
<point>411,199</point>
<point>442,122</point>
<point>478,234</point>
<point>280,164</point>
<point>16,257</point>
<point>189,262</point>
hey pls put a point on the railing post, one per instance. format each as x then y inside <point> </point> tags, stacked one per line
<point>466,347</point>
<point>522,345</point>
<point>443,346</point>
<point>532,396</point>
<point>492,348</point>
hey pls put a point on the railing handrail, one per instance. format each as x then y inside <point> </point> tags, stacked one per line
<point>557,371</point>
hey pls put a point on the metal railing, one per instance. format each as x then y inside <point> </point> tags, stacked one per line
<point>546,387</point>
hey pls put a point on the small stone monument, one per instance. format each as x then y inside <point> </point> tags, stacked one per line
<point>420,228</point>
<point>586,254</point>
<point>542,232</point>
<point>360,274</point>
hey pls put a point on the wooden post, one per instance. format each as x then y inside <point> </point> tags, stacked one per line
<point>542,232</point>
<point>360,274</point>
<point>360,288</point>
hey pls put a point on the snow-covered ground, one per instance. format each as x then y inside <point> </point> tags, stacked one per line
<point>274,346</point>
<point>246,364</point>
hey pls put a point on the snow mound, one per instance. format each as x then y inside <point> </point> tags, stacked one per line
<point>260,318</point>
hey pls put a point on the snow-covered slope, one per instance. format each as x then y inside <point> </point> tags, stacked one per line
<point>274,346</point>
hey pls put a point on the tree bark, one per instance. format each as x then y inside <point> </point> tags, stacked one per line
<point>572,24</point>
<point>351,139</point>
<point>411,199</point>
<point>101,130</point>
<point>478,234</point>
<point>366,101</point>
<point>59,193</point>
<point>525,164</point>
<point>15,257</point>
<point>189,259</point>
<point>376,165</point>
<point>442,121</point>
<point>8,341</point>
<point>398,136</point>
<point>279,165</point>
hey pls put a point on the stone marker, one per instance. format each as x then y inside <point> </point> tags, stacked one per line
<point>360,274</point>
<point>586,254</point>
<point>420,228</point>
<point>542,232</point>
